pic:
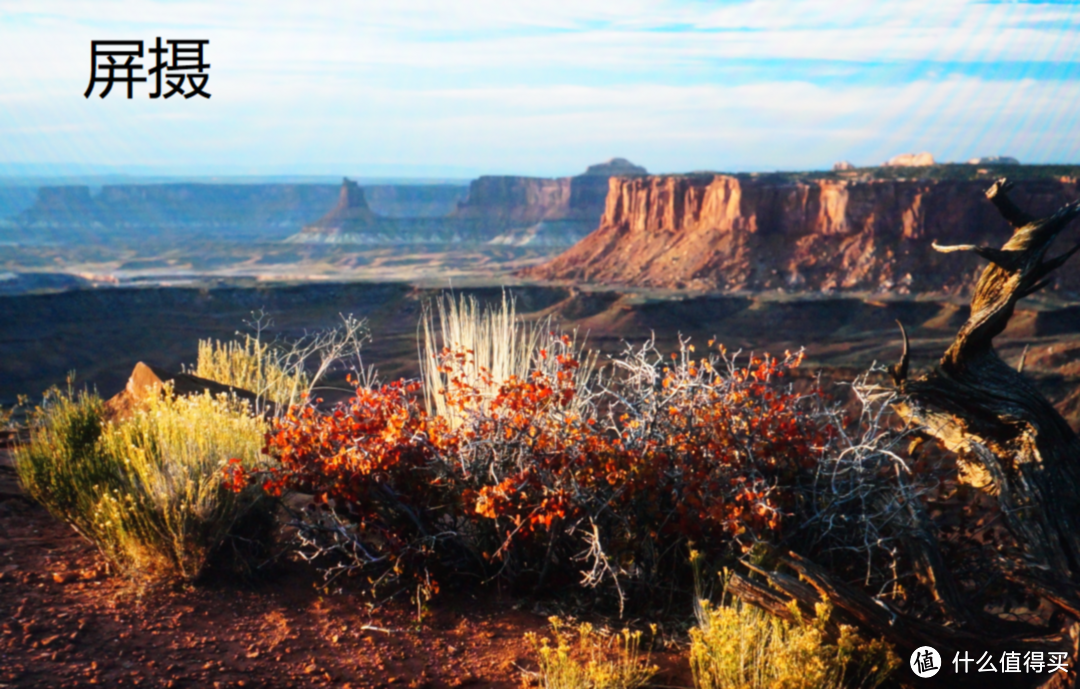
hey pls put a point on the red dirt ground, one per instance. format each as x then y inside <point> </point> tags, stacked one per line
<point>64,622</point>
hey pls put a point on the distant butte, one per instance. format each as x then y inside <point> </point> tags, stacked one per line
<point>616,167</point>
<point>351,215</point>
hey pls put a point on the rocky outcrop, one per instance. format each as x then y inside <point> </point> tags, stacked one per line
<point>616,167</point>
<point>507,201</point>
<point>842,165</point>
<point>721,232</point>
<point>350,215</point>
<point>351,221</point>
<point>994,160</point>
<point>910,160</point>
<point>540,210</point>
<point>147,381</point>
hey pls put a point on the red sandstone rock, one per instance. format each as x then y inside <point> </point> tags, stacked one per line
<point>716,232</point>
<point>149,380</point>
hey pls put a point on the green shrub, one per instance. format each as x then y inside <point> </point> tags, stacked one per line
<point>581,658</point>
<point>738,646</point>
<point>146,490</point>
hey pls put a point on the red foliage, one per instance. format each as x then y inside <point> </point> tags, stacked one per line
<point>700,455</point>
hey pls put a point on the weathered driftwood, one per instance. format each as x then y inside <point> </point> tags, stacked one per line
<point>996,420</point>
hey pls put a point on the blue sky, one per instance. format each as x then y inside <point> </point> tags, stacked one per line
<point>459,88</point>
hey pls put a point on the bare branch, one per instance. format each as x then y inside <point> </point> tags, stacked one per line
<point>998,195</point>
<point>1009,260</point>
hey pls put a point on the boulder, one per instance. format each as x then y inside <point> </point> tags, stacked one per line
<point>147,380</point>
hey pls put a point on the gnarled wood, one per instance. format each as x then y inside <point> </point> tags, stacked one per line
<point>995,418</point>
<point>875,619</point>
<point>977,404</point>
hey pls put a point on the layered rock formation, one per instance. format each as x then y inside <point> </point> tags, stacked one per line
<point>414,200</point>
<point>503,210</point>
<point>245,212</point>
<point>508,201</point>
<point>539,210</point>
<point>721,232</point>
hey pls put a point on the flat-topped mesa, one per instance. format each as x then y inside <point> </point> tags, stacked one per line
<point>722,232</point>
<point>526,200</point>
<point>505,199</point>
<point>350,215</point>
<point>994,160</point>
<point>541,210</point>
<point>910,160</point>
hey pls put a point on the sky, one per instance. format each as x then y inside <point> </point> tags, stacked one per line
<point>466,87</point>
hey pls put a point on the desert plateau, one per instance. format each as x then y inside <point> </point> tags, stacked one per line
<point>696,351</point>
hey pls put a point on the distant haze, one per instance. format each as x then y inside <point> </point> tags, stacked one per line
<point>451,90</point>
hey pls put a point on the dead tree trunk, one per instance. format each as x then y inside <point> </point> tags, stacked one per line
<point>999,423</point>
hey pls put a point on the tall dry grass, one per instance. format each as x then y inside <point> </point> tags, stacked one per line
<point>147,490</point>
<point>497,345</point>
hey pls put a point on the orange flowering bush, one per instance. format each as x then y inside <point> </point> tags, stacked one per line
<point>550,481</point>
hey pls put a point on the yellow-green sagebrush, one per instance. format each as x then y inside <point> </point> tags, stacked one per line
<point>147,489</point>
<point>582,658</point>
<point>284,373</point>
<point>738,646</point>
<point>255,366</point>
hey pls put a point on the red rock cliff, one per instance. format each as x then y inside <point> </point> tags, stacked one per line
<point>742,232</point>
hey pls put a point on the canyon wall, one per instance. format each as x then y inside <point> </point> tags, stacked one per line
<point>759,232</point>
<point>231,212</point>
<point>509,201</point>
<point>414,200</point>
<point>541,210</point>
<point>514,211</point>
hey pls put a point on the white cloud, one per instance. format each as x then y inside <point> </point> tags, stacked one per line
<point>545,86</point>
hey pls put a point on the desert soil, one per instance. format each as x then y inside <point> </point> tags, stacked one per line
<point>66,622</point>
